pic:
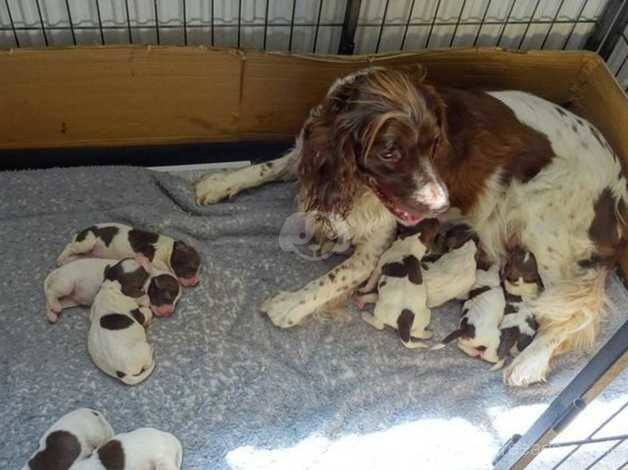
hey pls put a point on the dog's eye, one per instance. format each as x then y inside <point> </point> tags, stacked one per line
<point>481,348</point>
<point>391,155</point>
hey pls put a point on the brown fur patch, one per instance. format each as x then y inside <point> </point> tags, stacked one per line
<point>404,324</point>
<point>603,230</point>
<point>111,455</point>
<point>62,449</point>
<point>106,234</point>
<point>143,242</point>
<point>483,135</point>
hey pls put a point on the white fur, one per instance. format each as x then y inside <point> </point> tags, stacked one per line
<point>143,449</point>
<point>398,293</point>
<point>451,276</point>
<point>73,284</point>
<point>125,350</point>
<point>88,426</point>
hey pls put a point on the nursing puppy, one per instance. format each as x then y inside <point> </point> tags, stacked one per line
<point>144,448</point>
<point>117,341</point>
<point>112,240</point>
<point>451,275</point>
<point>521,282</point>
<point>401,294</point>
<point>478,333</point>
<point>70,439</point>
<point>77,283</point>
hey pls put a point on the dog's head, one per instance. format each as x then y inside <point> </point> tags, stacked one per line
<point>381,129</point>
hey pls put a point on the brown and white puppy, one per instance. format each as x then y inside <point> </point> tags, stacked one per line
<point>113,240</point>
<point>117,339</point>
<point>142,449</point>
<point>522,282</point>
<point>70,439</point>
<point>401,298</point>
<point>478,332</point>
<point>77,283</point>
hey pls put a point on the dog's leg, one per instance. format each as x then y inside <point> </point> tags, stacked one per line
<point>220,185</point>
<point>73,249</point>
<point>532,365</point>
<point>289,308</point>
<point>373,321</point>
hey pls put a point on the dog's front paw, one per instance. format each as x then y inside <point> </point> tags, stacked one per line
<point>213,188</point>
<point>286,309</point>
<point>524,372</point>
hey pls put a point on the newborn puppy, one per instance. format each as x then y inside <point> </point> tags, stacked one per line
<point>118,241</point>
<point>478,333</point>
<point>401,297</point>
<point>451,276</point>
<point>117,341</point>
<point>70,439</point>
<point>77,283</point>
<point>144,448</point>
<point>521,282</point>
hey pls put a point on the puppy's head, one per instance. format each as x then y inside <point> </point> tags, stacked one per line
<point>163,292</point>
<point>185,262</point>
<point>520,272</point>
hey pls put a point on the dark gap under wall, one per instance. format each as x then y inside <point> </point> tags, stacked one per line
<point>156,155</point>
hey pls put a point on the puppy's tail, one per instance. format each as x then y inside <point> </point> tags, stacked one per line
<point>449,338</point>
<point>573,309</point>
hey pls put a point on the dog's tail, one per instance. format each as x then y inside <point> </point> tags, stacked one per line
<point>572,309</point>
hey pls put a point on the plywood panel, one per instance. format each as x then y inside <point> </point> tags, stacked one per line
<point>117,96</point>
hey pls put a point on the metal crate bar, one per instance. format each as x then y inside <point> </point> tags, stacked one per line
<point>405,31</point>
<point>318,23</point>
<point>15,38</point>
<point>525,32</point>
<point>100,28</point>
<point>41,22</point>
<point>573,26</point>
<point>458,21</point>
<point>69,13</point>
<point>381,26</point>
<point>128,21</point>
<point>549,31</point>
<point>482,22</point>
<point>429,35</point>
<point>156,10</point>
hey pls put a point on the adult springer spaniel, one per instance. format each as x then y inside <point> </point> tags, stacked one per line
<point>385,147</point>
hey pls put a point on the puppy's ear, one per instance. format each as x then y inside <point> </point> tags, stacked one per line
<point>107,272</point>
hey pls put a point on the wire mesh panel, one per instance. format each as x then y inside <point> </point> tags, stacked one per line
<point>531,24</point>
<point>300,25</point>
<point>618,60</point>
<point>297,25</point>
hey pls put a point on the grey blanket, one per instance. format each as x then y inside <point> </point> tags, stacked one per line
<point>238,392</point>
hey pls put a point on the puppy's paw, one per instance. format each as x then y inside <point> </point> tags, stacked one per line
<point>215,187</point>
<point>286,309</point>
<point>52,316</point>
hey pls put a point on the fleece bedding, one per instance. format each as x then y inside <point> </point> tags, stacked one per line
<point>237,391</point>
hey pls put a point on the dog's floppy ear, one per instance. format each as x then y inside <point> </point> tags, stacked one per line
<point>327,167</point>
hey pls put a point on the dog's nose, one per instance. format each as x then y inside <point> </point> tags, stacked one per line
<point>435,196</point>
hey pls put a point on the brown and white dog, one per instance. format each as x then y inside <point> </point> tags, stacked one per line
<point>144,448</point>
<point>117,341</point>
<point>384,146</point>
<point>120,241</point>
<point>522,283</point>
<point>70,439</point>
<point>401,297</point>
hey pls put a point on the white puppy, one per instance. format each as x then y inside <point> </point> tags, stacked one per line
<point>478,332</point>
<point>71,438</point>
<point>451,276</point>
<point>401,294</point>
<point>117,341</point>
<point>120,241</point>
<point>142,449</point>
<point>77,283</point>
